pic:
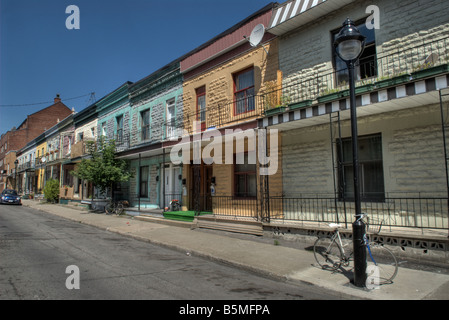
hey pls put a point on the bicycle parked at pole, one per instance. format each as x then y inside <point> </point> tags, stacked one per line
<point>330,254</point>
<point>116,207</point>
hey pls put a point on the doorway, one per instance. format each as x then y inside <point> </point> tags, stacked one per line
<point>200,183</point>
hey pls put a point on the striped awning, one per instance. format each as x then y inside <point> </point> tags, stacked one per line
<point>295,13</point>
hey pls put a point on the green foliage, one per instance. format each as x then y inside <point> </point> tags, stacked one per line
<point>51,190</point>
<point>103,169</point>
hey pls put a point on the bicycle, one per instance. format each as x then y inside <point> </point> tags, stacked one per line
<point>115,207</point>
<point>330,254</point>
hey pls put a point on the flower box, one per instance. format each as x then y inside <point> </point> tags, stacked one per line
<point>333,96</point>
<point>429,72</point>
<point>276,110</point>
<point>395,81</point>
<point>364,88</point>
<point>300,105</point>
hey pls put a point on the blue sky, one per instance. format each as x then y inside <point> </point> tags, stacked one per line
<point>118,41</point>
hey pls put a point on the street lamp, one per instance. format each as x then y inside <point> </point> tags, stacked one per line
<point>15,173</point>
<point>349,46</point>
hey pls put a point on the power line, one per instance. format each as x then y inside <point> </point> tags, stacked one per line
<point>41,103</point>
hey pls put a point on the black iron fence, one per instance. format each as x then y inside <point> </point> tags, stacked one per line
<point>394,211</point>
<point>409,211</point>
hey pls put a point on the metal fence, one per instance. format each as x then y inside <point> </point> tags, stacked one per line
<point>411,212</point>
<point>423,212</point>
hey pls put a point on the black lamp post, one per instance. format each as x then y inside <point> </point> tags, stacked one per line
<point>15,173</point>
<point>349,46</point>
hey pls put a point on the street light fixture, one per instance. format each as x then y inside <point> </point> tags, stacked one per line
<point>349,46</point>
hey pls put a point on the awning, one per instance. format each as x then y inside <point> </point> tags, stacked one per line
<point>295,13</point>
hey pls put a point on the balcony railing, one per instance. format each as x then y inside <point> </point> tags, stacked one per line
<point>25,166</point>
<point>81,148</point>
<point>375,72</point>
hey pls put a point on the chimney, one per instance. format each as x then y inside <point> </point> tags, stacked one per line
<point>57,99</point>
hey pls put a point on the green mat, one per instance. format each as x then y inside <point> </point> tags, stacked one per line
<point>182,215</point>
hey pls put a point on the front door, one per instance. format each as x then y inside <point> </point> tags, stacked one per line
<point>201,180</point>
<point>171,186</point>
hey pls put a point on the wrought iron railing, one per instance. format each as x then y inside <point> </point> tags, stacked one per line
<point>424,212</point>
<point>321,84</point>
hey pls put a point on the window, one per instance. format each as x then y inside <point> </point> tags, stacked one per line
<point>119,129</point>
<point>201,107</point>
<point>145,127</point>
<point>371,173</point>
<point>245,179</point>
<point>143,183</point>
<point>367,67</point>
<point>171,120</point>
<point>244,92</point>
<point>103,129</point>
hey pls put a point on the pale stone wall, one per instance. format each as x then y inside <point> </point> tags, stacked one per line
<point>305,54</point>
<point>413,155</point>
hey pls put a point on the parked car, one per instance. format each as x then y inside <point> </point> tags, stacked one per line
<point>10,197</point>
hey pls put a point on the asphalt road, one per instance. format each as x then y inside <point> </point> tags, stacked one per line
<point>36,248</point>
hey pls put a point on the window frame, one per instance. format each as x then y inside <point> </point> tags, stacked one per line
<point>345,162</point>
<point>236,91</point>
<point>145,129</point>
<point>145,194</point>
<point>343,72</point>
<point>245,174</point>
<point>120,125</point>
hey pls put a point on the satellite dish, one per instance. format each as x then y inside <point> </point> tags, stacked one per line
<point>257,35</point>
<point>43,160</point>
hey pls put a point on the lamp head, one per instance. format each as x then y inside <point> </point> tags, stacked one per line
<point>349,43</point>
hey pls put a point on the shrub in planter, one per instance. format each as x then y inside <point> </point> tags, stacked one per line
<point>51,191</point>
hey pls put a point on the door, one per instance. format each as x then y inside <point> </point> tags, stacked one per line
<point>171,123</point>
<point>200,182</point>
<point>171,186</point>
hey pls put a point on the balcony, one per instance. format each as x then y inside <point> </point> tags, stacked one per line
<point>375,73</point>
<point>26,166</point>
<point>81,148</point>
<point>222,114</point>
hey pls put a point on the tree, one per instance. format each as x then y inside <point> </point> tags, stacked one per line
<point>102,168</point>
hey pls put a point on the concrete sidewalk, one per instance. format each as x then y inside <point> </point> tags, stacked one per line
<point>280,262</point>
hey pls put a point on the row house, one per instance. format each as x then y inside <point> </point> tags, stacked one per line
<point>155,115</point>
<point>224,83</point>
<point>401,88</point>
<point>27,183</point>
<point>113,112</point>
<point>59,140</point>
<point>17,138</point>
<point>84,129</point>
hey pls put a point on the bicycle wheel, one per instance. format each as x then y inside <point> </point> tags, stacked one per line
<point>120,209</point>
<point>328,254</point>
<point>384,260</point>
<point>109,208</point>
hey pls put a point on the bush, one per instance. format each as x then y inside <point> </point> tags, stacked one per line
<point>51,191</point>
